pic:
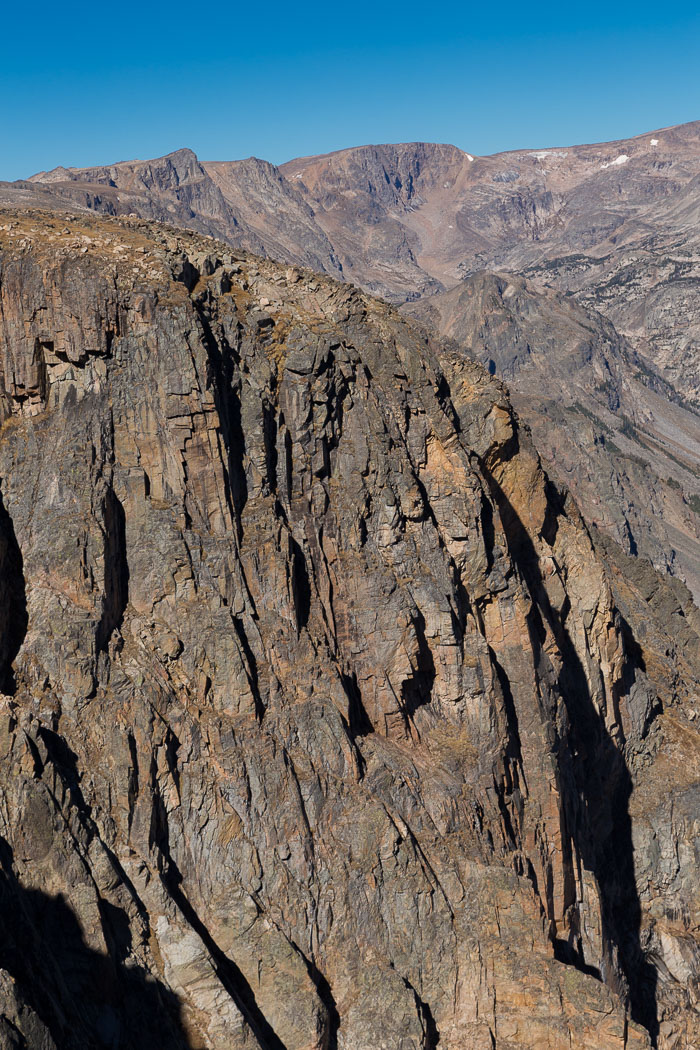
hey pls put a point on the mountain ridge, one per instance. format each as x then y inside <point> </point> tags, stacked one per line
<point>526,150</point>
<point>415,222</point>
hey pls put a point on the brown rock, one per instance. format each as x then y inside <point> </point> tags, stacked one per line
<point>323,726</point>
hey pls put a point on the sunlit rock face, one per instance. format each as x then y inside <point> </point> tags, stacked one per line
<point>325,721</point>
<point>607,376</point>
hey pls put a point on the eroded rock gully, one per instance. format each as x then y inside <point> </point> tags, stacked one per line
<point>325,724</point>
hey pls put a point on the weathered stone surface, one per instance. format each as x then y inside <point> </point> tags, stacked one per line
<point>325,723</point>
<point>612,225</point>
<point>629,453</point>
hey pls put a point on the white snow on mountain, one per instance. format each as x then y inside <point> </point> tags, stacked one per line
<point>622,159</point>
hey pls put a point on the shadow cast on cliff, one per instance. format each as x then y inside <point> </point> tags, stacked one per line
<point>84,998</point>
<point>69,996</point>
<point>116,570</point>
<point>13,601</point>
<point>231,977</point>
<point>596,786</point>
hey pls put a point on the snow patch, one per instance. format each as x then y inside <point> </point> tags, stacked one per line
<point>654,142</point>
<point>469,158</point>
<point>540,154</point>
<point>299,175</point>
<point>622,159</point>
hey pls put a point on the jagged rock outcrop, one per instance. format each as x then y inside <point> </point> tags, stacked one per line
<point>175,188</point>
<point>268,205</point>
<point>628,451</point>
<point>325,723</point>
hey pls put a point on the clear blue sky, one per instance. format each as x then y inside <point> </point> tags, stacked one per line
<point>92,83</point>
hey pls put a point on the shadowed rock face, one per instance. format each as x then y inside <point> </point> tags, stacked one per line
<point>326,724</point>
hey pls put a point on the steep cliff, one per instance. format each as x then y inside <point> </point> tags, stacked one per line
<point>613,226</point>
<point>628,451</point>
<point>325,724</point>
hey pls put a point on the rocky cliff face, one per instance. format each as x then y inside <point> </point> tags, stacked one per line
<point>615,221</point>
<point>325,723</point>
<point>611,225</point>
<point>174,188</point>
<point>267,204</point>
<point>629,453</point>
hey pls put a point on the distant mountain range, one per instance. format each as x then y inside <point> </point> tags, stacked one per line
<point>573,273</point>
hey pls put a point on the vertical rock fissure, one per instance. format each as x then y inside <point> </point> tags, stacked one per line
<point>229,974</point>
<point>13,601</point>
<point>116,570</point>
<point>228,409</point>
<point>596,786</point>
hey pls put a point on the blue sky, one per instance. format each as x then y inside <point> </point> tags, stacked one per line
<point>88,84</point>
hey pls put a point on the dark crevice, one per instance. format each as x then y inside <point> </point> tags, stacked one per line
<point>117,930</point>
<point>270,440</point>
<point>40,349</point>
<point>172,746</point>
<point>231,977</point>
<point>632,543</point>
<point>252,667</point>
<point>227,399</point>
<point>595,784</point>
<point>508,830</point>
<point>116,570</point>
<point>13,601</point>
<point>432,1035</point>
<point>159,830</point>
<point>65,763</point>
<point>301,586</point>
<point>554,510</point>
<point>513,747</point>
<point>360,722</point>
<point>37,762</point>
<point>417,690</point>
<point>133,779</point>
<point>288,466</point>
<point>487,530</point>
<point>572,955</point>
<point>325,994</point>
<point>430,1029</point>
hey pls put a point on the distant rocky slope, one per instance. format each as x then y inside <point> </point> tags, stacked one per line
<point>326,723</point>
<point>615,225</point>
